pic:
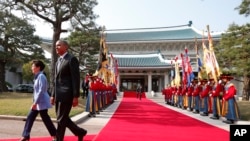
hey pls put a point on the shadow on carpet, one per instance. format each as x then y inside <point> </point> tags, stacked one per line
<point>144,120</point>
<point>66,138</point>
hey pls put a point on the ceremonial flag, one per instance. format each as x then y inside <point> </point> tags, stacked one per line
<point>184,74</point>
<point>116,71</point>
<point>112,63</point>
<point>210,62</point>
<point>188,69</point>
<point>215,66</point>
<point>199,63</point>
<point>172,70</point>
<point>207,60</point>
<point>113,68</point>
<point>102,53</point>
<point>177,78</point>
<point>103,69</point>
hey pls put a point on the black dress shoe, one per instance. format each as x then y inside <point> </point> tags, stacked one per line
<point>80,136</point>
<point>214,117</point>
<point>54,139</point>
<point>24,139</point>
<point>204,114</point>
<point>89,115</point>
<point>228,121</point>
<point>196,112</point>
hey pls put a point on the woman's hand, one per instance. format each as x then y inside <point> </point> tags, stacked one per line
<point>33,106</point>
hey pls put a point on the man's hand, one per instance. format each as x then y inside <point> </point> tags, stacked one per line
<point>52,100</point>
<point>75,102</point>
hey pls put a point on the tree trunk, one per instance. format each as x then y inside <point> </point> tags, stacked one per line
<point>245,94</point>
<point>56,37</point>
<point>2,76</point>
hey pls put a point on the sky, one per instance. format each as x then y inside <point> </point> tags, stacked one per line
<point>124,14</point>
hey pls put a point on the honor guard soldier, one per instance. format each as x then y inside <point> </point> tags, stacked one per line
<point>230,109</point>
<point>196,96</point>
<point>217,90</point>
<point>205,97</point>
<point>190,91</point>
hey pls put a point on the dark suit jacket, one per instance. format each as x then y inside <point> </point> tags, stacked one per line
<point>67,80</point>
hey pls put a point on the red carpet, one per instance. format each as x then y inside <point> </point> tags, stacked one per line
<point>144,120</point>
<point>132,94</point>
<point>66,138</point>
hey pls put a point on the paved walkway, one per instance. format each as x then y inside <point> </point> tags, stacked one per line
<point>206,119</point>
<point>11,127</point>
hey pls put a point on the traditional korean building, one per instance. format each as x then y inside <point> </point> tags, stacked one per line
<point>145,56</point>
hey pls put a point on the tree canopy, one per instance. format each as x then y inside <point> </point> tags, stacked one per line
<point>77,13</point>
<point>234,50</point>
<point>85,45</point>
<point>233,54</point>
<point>18,42</point>
<point>244,8</point>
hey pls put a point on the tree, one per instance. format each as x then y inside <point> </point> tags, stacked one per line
<point>233,54</point>
<point>86,46</point>
<point>18,42</point>
<point>244,8</point>
<point>57,12</point>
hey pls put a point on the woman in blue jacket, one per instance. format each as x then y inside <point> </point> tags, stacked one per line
<point>41,102</point>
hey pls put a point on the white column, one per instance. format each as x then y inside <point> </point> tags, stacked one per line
<point>166,78</point>
<point>118,83</point>
<point>161,84</point>
<point>149,82</point>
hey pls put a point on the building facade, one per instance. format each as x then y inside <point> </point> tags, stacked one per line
<point>146,56</point>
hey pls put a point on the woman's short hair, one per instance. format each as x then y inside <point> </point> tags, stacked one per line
<point>39,63</point>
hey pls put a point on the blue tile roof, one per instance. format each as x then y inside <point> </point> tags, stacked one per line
<point>148,60</point>
<point>186,33</point>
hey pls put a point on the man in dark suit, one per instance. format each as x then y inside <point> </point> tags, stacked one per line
<point>139,91</point>
<point>66,91</point>
<point>85,86</point>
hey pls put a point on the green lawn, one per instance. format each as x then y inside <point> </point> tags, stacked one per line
<point>244,107</point>
<point>18,104</point>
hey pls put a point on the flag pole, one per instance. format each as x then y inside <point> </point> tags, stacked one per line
<point>197,59</point>
<point>196,51</point>
<point>209,38</point>
<point>210,46</point>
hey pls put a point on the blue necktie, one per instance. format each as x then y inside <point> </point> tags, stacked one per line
<point>59,63</point>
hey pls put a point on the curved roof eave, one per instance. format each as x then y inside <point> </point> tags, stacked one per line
<point>142,61</point>
<point>144,68</point>
<point>174,34</point>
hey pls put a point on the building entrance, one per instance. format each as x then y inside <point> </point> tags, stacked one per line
<point>130,84</point>
<point>155,85</point>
